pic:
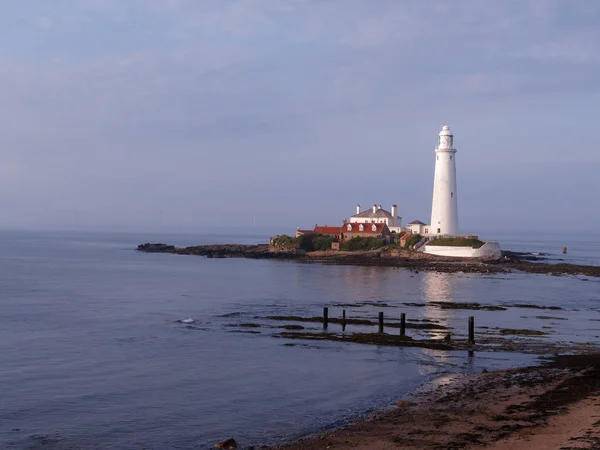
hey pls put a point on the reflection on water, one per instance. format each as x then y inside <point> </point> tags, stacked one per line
<point>438,287</point>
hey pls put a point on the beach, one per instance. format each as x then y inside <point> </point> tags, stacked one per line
<point>556,405</point>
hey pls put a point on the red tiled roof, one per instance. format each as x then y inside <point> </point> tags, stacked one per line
<point>367,227</point>
<point>324,229</point>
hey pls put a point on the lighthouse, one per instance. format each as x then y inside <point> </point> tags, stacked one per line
<point>444,207</point>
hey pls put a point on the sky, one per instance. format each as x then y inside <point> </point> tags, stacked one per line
<point>184,114</point>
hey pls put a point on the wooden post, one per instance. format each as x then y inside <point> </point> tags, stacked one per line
<point>325,316</point>
<point>471,330</point>
<point>402,324</point>
<point>344,320</point>
<point>381,322</point>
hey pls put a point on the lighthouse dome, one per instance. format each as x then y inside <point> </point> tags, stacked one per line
<point>446,131</point>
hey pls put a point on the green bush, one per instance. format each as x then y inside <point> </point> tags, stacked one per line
<point>320,242</point>
<point>457,242</point>
<point>362,244</point>
<point>285,241</point>
<point>306,242</point>
<point>413,239</point>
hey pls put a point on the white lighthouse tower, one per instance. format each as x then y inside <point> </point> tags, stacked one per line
<point>444,207</point>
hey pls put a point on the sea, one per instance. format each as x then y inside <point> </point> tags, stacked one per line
<point>104,347</point>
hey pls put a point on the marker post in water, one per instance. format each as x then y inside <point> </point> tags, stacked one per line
<point>403,324</point>
<point>471,330</point>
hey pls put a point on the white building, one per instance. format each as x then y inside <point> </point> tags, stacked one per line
<point>377,214</point>
<point>418,227</point>
<point>444,206</point>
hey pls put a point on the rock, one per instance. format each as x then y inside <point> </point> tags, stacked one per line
<point>405,404</point>
<point>227,444</point>
<point>156,248</point>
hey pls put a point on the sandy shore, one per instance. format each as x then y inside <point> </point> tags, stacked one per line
<point>556,406</point>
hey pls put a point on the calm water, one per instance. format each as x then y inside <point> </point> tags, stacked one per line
<point>92,355</point>
<point>582,248</point>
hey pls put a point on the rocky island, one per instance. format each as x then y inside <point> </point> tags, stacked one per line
<point>384,256</point>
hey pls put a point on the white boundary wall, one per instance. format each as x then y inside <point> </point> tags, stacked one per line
<point>491,249</point>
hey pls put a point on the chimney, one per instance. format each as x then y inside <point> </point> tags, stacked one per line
<point>357,209</point>
<point>374,209</point>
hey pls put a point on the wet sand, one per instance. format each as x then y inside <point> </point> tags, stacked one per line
<point>555,406</point>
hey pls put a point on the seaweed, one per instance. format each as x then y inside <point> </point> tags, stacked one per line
<point>370,338</point>
<point>523,332</point>
<point>527,305</point>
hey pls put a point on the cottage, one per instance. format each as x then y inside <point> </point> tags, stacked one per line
<point>365,229</point>
<point>418,227</point>
<point>377,214</point>
<point>326,230</point>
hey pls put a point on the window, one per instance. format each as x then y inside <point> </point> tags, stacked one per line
<point>437,157</point>
<point>451,194</point>
<point>426,230</point>
<point>374,227</point>
<point>349,227</point>
<point>361,228</point>
<point>450,156</point>
<point>439,230</point>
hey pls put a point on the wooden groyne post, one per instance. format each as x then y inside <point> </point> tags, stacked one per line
<point>325,317</point>
<point>471,330</point>
<point>381,322</point>
<point>403,324</point>
<point>344,320</point>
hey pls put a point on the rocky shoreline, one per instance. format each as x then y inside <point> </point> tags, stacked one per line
<point>552,406</point>
<point>389,258</point>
